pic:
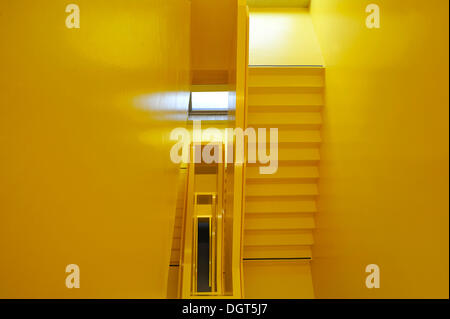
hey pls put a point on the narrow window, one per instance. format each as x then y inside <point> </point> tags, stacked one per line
<point>209,103</point>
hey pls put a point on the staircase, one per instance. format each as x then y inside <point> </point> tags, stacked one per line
<point>179,213</point>
<point>280,208</point>
<point>175,254</point>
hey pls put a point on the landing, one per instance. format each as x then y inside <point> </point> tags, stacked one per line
<point>283,36</point>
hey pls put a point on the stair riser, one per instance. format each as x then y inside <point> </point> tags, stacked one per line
<point>278,238</point>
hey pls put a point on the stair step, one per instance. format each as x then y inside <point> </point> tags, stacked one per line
<point>279,221</point>
<point>286,77</point>
<point>298,154</point>
<point>175,256</point>
<point>285,89</point>
<point>295,136</point>
<point>288,155</point>
<point>176,233</point>
<point>278,237</point>
<point>178,221</point>
<point>176,243</point>
<point>284,172</point>
<point>180,205</point>
<point>285,189</point>
<point>274,252</point>
<point>284,108</point>
<point>299,136</point>
<point>285,98</point>
<point>274,119</point>
<point>280,206</point>
<point>286,71</point>
<point>277,81</point>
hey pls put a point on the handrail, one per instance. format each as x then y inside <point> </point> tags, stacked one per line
<point>182,235</point>
<point>185,273</point>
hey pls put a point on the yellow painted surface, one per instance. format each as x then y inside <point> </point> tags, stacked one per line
<point>282,37</point>
<point>279,208</point>
<point>277,280</point>
<point>174,278</point>
<point>173,282</point>
<point>213,39</point>
<point>205,183</point>
<point>384,173</point>
<point>279,3</point>
<point>85,173</point>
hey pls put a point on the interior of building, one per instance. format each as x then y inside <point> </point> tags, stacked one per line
<point>357,173</point>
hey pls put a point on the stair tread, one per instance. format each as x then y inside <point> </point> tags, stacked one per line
<point>295,136</point>
<point>279,221</point>
<point>285,98</point>
<point>280,206</point>
<point>285,154</point>
<point>294,189</point>
<point>287,118</point>
<point>288,88</point>
<point>275,252</point>
<point>175,256</point>
<point>284,172</point>
<point>277,237</point>
<point>286,70</point>
<point>284,108</point>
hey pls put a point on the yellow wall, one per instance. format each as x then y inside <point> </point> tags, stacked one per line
<point>384,174</point>
<point>285,279</point>
<point>213,39</point>
<point>85,173</point>
<point>282,37</point>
